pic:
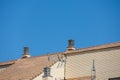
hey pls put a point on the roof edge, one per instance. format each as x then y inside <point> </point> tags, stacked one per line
<point>7,63</point>
<point>104,46</point>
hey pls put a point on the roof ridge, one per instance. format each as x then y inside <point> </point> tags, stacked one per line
<point>9,66</point>
<point>32,66</point>
<point>48,54</point>
<point>7,62</point>
<point>98,47</point>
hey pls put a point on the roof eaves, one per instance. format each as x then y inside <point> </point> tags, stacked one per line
<point>105,46</point>
<point>7,63</point>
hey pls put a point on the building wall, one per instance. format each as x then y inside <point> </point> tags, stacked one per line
<point>107,63</point>
<point>57,72</point>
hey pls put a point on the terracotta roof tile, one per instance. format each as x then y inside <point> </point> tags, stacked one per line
<point>26,69</point>
<point>7,63</point>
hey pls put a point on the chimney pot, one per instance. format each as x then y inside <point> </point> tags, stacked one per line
<point>26,52</point>
<point>70,45</point>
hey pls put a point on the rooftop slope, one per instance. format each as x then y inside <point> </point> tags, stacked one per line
<point>26,69</point>
<point>7,63</point>
<point>29,68</point>
<point>105,46</point>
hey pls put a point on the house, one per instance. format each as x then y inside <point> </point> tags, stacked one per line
<point>92,63</point>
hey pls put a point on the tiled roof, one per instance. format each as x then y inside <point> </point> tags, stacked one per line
<point>7,63</point>
<point>29,68</point>
<point>105,46</point>
<point>26,69</point>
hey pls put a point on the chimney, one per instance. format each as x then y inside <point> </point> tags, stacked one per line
<point>26,52</point>
<point>47,73</point>
<point>70,45</point>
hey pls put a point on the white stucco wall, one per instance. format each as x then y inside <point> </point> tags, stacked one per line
<point>57,71</point>
<point>107,64</point>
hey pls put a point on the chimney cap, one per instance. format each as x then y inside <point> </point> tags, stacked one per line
<point>26,52</point>
<point>70,45</point>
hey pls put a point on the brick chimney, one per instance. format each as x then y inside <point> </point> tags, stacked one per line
<point>26,52</point>
<point>70,45</point>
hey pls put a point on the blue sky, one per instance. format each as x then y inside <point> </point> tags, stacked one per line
<point>46,25</point>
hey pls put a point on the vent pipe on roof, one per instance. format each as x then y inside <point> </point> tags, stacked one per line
<point>70,45</point>
<point>47,73</point>
<point>26,52</point>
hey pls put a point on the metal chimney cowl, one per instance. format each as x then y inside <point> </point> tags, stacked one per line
<point>70,45</point>
<point>26,53</point>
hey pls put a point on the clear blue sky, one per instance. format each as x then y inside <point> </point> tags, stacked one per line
<point>46,25</point>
